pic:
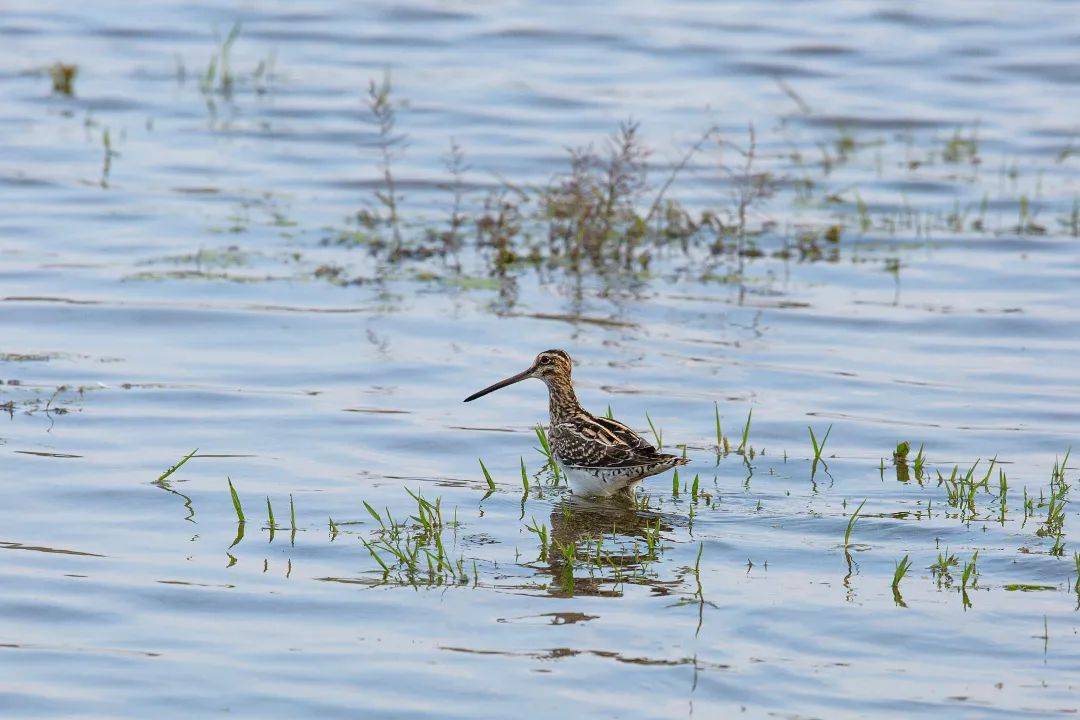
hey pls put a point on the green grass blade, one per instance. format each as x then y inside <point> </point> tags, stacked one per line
<point>374,514</point>
<point>236,501</point>
<point>656,433</point>
<point>851,524</point>
<point>183,460</point>
<point>487,475</point>
<point>542,437</point>
<point>746,431</point>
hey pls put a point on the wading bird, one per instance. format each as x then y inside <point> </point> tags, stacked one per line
<point>598,455</point>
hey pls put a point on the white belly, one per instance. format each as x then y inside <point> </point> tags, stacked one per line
<point>601,481</point>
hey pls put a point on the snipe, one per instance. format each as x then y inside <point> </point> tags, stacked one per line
<point>598,455</point>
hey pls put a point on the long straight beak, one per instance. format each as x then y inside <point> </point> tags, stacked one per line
<point>525,375</point>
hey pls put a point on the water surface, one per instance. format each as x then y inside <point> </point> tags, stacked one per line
<point>171,299</point>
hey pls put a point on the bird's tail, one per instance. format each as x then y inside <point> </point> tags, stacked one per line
<point>675,460</point>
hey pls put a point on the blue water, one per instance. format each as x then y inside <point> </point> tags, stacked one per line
<point>173,302</point>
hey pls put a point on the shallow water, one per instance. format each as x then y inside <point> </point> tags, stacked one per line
<point>171,301</point>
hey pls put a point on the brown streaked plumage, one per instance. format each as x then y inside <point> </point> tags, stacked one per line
<point>600,454</point>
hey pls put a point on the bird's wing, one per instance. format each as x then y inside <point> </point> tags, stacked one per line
<point>627,435</point>
<point>587,442</point>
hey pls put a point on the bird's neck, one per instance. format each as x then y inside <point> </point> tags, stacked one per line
<point>562,400</point>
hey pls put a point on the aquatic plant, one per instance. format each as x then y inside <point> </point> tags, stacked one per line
<point>920,463</point>
<point>384,115</point>
<point>658,435</point>
<point>818,447</point>
<point>900,570</point>
<point>970,572</point>
<point>742,449</point>
<point>487,476</point>
<point>545,450</point>
<point>179,464</point>
<point>940,568</point>
<point>541,532</point>
<point>237,507</point>
<point>404,550</point>
<point>851,525</point>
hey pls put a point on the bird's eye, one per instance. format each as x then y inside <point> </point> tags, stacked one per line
<point>545,360</point>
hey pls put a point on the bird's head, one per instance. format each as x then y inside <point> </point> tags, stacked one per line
<point>550,366</point>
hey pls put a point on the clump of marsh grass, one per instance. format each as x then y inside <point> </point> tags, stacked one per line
<point>1053,525</point>
<point>413,551</point>
<point>940,568</point>
<point>612,211</point>
<point>900,460</point>
<point>595,203</point>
